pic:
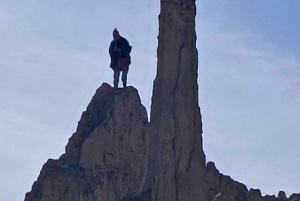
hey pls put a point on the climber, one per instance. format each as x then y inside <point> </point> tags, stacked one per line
<point>119,51</point>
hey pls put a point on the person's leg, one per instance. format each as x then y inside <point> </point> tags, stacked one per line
<point>116,76</point>
<point>124,76</point>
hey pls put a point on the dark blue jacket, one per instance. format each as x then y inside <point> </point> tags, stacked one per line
<point>117,50</point>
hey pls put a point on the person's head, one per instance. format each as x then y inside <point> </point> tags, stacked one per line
<point>116,34</point>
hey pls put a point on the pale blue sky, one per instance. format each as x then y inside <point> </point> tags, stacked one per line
<point>250,82</point>
<point>54,55</point>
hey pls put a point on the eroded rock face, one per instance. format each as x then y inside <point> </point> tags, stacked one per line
<point>115,155</point>
<point>177,163</point>
<point>219,185</point>
<point>107,156</point>
<point>222,188</point>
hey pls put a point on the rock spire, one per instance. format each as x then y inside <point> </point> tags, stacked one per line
<point>177,162</point>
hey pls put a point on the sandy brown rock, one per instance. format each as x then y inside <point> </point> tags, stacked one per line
<point>117,148</point>
<point>294,197</point>
<point>281,195</point>
<point>220,186</point>
<point>253,195</point>
<point>177,162</point>
<point>90,119</point>
<point>106,158</point>
<point>269,198</point>
<point>223,197</point>
<point>57,181</point>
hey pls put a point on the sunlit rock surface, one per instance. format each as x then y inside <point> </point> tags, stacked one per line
<point>107,156</point>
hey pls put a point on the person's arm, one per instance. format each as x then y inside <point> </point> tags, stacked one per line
<point>127,46</point>
<point>111,54</point>
<point>111,50</point>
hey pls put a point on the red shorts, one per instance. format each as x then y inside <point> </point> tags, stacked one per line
<point>124,62</point>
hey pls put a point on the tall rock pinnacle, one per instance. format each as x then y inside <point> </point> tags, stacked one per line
<point>177,162</point>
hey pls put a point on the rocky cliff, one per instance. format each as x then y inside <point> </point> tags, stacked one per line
<point>117,155</point>
<point>220,187</point>
<point>105,158</point>
<point>176,159</point>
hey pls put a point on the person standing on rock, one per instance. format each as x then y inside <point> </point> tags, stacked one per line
<point>119,51</point>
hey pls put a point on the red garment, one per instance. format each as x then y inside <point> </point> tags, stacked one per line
<point>124,62</point>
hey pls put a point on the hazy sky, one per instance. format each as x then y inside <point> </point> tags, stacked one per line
<point>54,55</point>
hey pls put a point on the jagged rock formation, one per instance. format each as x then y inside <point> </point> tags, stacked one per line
<point>176,159</point>
<point>107,156</point>
<point>115,155</point>
<point>222,188</point>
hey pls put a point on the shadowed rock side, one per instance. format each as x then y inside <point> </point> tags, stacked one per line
<point>222,188</point>
<point>107,156</point>
<point>176,159</point>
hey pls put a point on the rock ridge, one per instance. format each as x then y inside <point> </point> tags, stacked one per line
<point>105,158</point>
<point>223,188</point>
<point>117,155</point>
